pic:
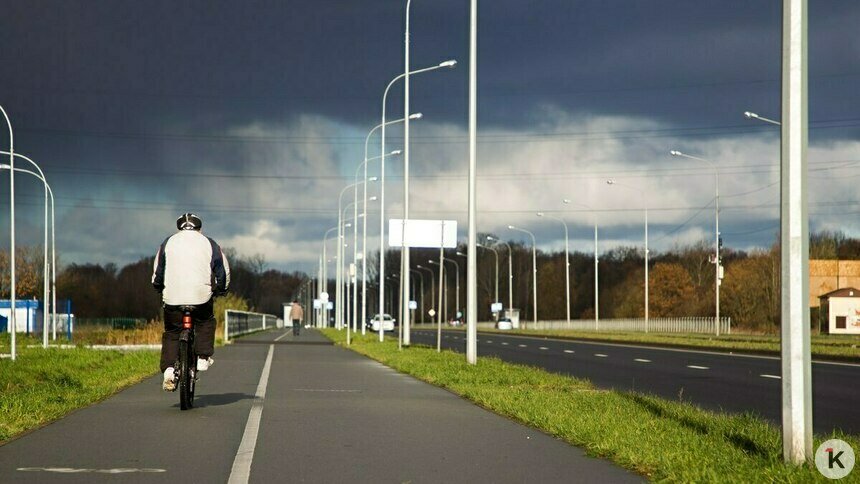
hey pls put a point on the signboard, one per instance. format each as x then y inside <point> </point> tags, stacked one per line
<point>330,306</point>
<point>324,296</point>
<point>459,314</point>
<point>413,304</point>
<point>317,304</point>
<point>423,233</point>
<point>352,269</point>
<point>496,307</point>
<point>431,312</point>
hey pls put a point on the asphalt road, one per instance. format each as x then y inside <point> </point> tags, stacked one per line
<point>732,383</point>
<point>295,410</point>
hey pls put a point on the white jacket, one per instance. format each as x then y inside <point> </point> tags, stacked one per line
<point>189,267</point>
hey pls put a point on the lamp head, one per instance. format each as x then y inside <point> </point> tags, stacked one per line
<point>448,63</point>
<point>511,227</point>
<point>566,200</point>
<point>416,116</point>
<point>372,179</point>
<point>610,182</point>
<point>372,199</point>
<point>348,224</point>
<point>675,153</point>
<point>395,153</point>
<point>539,214</point>
<point>750,115</point>
<point>490,237</point>
<point>461,254</point>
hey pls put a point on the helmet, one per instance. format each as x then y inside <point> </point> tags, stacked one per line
<point>189,221</point>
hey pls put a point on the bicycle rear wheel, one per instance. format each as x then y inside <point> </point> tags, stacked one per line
<point>186,376</point>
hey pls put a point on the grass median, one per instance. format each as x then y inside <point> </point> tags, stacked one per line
<point>828,347</point>
<point>46,384</point>
<point>660,439</point>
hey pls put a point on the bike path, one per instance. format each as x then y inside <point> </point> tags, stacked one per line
<point>329,415</point>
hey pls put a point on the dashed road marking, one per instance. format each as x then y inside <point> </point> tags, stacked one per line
<point>489,341</point>
<point>72,470</point>
<point>696,367</point>
<point>504,344</point>
<point>544,348</point>
<point>642,360</point>
<point>601,355</point>
<point>775,377</point>
<point>523,346</point>
<point>568,351</point>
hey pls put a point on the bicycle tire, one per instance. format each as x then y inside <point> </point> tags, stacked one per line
<point>186,384</point>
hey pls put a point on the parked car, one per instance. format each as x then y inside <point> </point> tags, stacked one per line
<point>504,324</point>
<point>387,323</point>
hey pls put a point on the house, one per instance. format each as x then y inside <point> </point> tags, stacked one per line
<point>841,308</point>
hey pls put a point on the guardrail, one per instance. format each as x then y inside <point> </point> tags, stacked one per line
<point>237,323</point>
<point>704,325</point>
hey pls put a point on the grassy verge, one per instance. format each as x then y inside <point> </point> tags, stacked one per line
<point>660,439</point>
<point>44,385</point>
<point>831,347</point>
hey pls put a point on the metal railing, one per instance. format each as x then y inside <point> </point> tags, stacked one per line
<point>237,323</point>
<point>703,325</point>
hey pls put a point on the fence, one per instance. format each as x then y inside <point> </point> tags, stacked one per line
<point>110,323</point>
<point>655,325</point>
<point>237,323</point>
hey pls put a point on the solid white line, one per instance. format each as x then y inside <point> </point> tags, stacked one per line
<point>241,471</point>
<point>543,348</point>
<point>696,367</point>
<point>600,355</point>
<point>281,336</point>
<point>568,351</point>
<point>642,360</point>
<point>775,377</point>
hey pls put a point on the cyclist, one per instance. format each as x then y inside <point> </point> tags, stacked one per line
<point>189,270</point>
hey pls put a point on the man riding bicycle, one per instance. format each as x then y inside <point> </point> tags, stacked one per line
<point>189,270</point>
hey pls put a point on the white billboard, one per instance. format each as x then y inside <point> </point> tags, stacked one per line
<point>423,233</point>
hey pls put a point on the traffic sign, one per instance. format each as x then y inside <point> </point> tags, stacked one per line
<point>431,312</point>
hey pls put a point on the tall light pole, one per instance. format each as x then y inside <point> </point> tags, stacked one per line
<point>794,238</point>
<point>472,263</point>
<point>446,64</point>
<point>717,262</point>
<point>432,285</point>
<point>568,201</point>
<point>534,271</point>
<point>12,323</point>
<point>495,253</point>
<point>566,260</point>
<point>46,267</point>
<point>465,256</point>
<point>421,277</point>
<point>510,270</point>
<point>324,274</point>
<point>456,279</point>
<point>338,310</point>
<point>645,202</point>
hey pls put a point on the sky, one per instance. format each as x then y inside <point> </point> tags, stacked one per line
<point>254,115</point>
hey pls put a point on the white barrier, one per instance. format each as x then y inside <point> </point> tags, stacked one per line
<point>237,323</point>
<point>703,325</point>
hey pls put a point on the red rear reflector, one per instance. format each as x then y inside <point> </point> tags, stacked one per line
<point>186,321</point>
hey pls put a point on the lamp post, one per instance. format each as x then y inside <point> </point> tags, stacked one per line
<point>457,286</point>
<point>510,270</point>
<point>534,271</point>
<point>338,311</point>
<point>12,323</point>
<point>465,256</point>
<point>46,268</point>
<point>432,286</point>
<point>324,275</point>
<point>717,262</point>
<point>364,223</point>
<point>446,64</point>
<point>645,201</point>
<point>472,263</point>
<point>495,253</point>
<point>421,277</point>
<point>566,260</point>
<point>568,201</point>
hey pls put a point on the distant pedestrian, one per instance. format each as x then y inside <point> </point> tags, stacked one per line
<point>296,314</point>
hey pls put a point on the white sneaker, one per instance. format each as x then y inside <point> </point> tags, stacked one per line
<point>204,364</point>
<point>169,383</point>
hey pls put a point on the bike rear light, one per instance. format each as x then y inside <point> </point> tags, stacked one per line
<point>186,321</point>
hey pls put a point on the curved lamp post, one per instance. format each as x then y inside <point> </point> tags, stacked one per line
<point>647,253</point>
<point>534,272</point>
<point>568,201</point>
<point>566,260</point>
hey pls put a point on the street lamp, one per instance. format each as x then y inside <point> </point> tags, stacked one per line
<point>534,272</point>
<point>510,270</point>
<point>566,261</point>
<point>432,284</point>
<point>717,266</point>
<point>441,65</point>
<point>456,287</point>
<point>496,253</point>
<point>460,254</point>
<point>46,268</point>
<point>645,201</point>
<point>338,310</point>
<point>324,274</point>
<point>568,201</point>
<point>421,276</point>
<point>12,323</point>
<point>751,115</point>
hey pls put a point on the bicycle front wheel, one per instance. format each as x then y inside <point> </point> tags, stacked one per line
<point>186,377</point>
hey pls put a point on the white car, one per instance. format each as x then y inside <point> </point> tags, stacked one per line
<point>387,323</point>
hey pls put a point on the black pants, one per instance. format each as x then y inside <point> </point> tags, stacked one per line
<point>204,333</point>
<point>297,324</point>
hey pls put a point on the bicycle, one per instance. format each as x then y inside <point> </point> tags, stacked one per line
<point>187,363</point>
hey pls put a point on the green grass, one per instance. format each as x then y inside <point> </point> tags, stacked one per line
<point>832,347</point>
<point>44,385</point>
<point>666,441</point>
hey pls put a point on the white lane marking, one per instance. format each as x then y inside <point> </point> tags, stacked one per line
<point>281,336</point>
<point>696,367</point>
<point>489,341</point>
<point>601,355</point>
<point>543,348</point>
<point>504,344</point>
<point>568,351</point>
<point>523,346</point>
<point>775,377</point>
<point>324,390</point>
<point>241,471</point>
<point>676,350</point>
<point>642,360</point>
<point>71,470</point>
